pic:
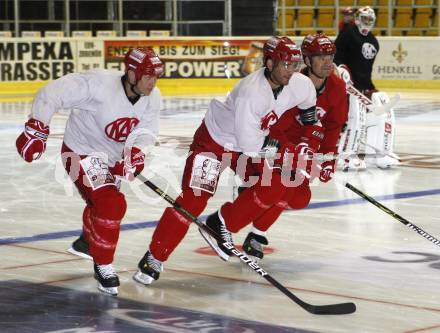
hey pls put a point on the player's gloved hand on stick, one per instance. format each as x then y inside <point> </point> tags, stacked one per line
<point>32,142</point>
<point>327,171</point>
<point>369,92</point>
<point>294,156</point>
<point>313,135</point>
<point>131,165</point>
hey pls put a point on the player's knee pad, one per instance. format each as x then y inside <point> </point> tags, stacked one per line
<point>108,203</point>
<point>300,197</point>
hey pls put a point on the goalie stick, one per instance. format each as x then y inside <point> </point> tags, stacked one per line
<point>332,309</point>
<point>380,152</point>
<point>376,109</point>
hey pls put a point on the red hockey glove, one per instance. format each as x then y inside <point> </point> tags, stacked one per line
<point>294,157</point>
<point>32,142</point>
<point>313,135</point>
<point>327,171</point>
<point>131,165</point>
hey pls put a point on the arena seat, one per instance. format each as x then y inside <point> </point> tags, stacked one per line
<point>422,18</point>
<point>382,18</point>
<point>403,18</point>
<point>289,19</point>
<point>326,18</point>
<point>304,18</point>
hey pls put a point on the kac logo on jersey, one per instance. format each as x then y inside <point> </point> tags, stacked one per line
<point>268,120</point>
<point>368,51</point>
<point>121,128</point>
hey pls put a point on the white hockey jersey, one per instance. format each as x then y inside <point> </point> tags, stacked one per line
<point>102,117</point>
<point>242,122</point>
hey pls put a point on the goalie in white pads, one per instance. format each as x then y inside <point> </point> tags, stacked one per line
<point>366,132</point>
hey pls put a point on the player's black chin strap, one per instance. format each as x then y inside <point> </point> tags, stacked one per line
<point>133,88</point>
<point>268,75</point>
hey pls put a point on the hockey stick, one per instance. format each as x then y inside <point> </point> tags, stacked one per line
<point>399,218</point>
<point>380,152</point>
<point>332,309</point>
<point>376,109</point>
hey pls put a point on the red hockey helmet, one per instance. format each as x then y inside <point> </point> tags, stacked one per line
<point>319,44</point>
<point>281,49</point>
<point>347,11</point>
<point>143,61</point>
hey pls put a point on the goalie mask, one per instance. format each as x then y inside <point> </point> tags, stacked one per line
<point>143,61</point>
<point>365,19</point>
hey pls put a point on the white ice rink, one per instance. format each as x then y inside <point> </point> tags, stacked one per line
<point>340,249</point>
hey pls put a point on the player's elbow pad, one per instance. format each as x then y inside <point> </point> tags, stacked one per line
<point>308,116</point>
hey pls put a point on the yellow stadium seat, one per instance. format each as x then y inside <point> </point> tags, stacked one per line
<point>326,2</point>
<point>304,18</point>
<point>383,2</point>
<point>403,3</point>
<point>289,21</point>
<point>403,18</point>
<point>288,2</point>
<point>435,20</point>
<point>396,32</point>
<point>346,3</point>
<point>422,18</point>
<point>288,12</point>
<point>306,2</point>
<point>432,32</point>
<point>325,18</point>
<point>362,3</point>
<point>414,32</point>
<point>305,32</point>
<point>423,2</point>
<point>382,18</point>
<point>329,32</point>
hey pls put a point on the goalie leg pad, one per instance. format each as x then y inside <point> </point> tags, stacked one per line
<point>380,133</point>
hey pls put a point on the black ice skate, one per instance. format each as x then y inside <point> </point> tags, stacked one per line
<point>80,248</point>
<point>253,246</point>
<point>217,225</point>
<point>108,281</point>
<point>149,269</point>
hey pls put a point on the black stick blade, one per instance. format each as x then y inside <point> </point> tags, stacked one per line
<point>334,309</point>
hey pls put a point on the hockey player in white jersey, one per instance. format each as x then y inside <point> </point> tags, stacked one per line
<point>114,119</point>
<point>231,133</point>
<point>367,132</point>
